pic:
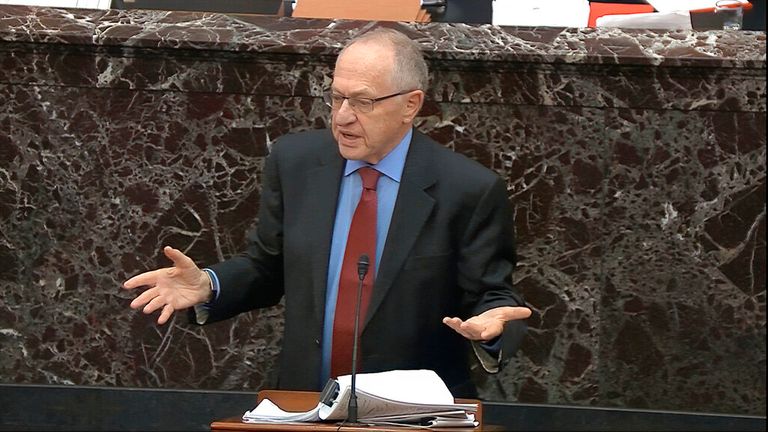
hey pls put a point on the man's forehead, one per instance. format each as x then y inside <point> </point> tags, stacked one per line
<point>360,77</point>
<point>367,51</point>
<point>352,87</point>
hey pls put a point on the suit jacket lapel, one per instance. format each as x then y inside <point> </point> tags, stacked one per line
<point>412,208</point>
<point>323,192</point>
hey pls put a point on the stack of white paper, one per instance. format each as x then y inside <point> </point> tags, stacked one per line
<point>403,396</point>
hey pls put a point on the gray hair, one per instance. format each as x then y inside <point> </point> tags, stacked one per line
<point>409,70</point>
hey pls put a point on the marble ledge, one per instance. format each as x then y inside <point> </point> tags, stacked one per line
<point>442,41</point>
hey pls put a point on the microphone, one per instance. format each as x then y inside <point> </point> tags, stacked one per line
<point>362,269</point>
<point>362,266</point>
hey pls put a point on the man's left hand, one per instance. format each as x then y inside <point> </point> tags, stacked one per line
<point>488,324</point>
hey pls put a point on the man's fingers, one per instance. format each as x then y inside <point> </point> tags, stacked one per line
<point>144,298</point>
<point>150,300</point>
<point>472,330</point>
<point>148,278</point>
<point>178,257</point>
<point>151,278</point>
<point>508,313</point>
<point>165,314</point>
<point>488,324</point>
<point>518,313</point>
<point>454,323</point>
<point>488,334</point>
<point>155,304</point>
<point>458,326</point>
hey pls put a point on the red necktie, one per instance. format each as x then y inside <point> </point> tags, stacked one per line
<point>361,240</point>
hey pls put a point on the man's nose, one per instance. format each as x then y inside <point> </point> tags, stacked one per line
<point>345,114</point>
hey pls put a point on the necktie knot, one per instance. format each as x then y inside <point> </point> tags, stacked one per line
<point>369,176</point>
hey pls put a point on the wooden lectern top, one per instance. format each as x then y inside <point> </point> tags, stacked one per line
<point>304,401</point>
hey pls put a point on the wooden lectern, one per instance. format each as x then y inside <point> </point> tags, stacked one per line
<point>305,401</point>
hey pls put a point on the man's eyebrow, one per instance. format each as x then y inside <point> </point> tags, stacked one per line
<point>353,95</point>
<point>363,93</point>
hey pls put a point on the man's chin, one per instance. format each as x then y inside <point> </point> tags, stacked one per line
<point>349,149</point>
<point>350,153</point>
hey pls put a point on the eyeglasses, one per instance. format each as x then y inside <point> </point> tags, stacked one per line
<point>359,105</point>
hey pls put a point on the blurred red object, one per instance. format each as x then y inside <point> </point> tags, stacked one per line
<point>596,10</point>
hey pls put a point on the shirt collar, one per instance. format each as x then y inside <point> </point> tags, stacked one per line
<point>393,163</point>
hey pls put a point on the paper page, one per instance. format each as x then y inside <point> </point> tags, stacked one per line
<point>552,13</point>
<point>338,410</point>
<point>405,396</point>
<point>680,20</point>
<point>86,4</point>
<point>407,386</point>
<point>456,415</point>
<point>684,5</point>
<point>372,407</point>
<point>440,422</point>
<point>431,423</point>
<point>267,411</point>
<point>379,406</point>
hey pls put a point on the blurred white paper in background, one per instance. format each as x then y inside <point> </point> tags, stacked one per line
<point>548,13</point>
<point>678,20</point>
<point>683,5</point>
<point>84,4</point>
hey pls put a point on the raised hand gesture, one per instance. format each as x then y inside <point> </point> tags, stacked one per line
<point>488,324</point>
<point>171,288</point>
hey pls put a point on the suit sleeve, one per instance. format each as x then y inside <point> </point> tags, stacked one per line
<point>254,278</point>
<point>486,262</point>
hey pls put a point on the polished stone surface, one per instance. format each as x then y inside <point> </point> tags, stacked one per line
<point>635,161</point>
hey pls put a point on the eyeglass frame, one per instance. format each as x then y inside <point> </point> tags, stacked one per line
<point>328,100</point>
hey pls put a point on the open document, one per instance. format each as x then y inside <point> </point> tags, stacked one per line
<point>401,396</point>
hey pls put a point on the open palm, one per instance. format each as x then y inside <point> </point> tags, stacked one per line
<point>171,288</point>
<point>488,324</point>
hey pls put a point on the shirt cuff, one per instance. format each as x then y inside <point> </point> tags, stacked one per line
<point>201,314</point>
<point>215,286</point>
<point>489,355</point>
<point>202,311</point>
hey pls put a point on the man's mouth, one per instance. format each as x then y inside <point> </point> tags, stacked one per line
<point>348,136</point>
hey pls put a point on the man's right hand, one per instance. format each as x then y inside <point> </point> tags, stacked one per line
<point>172,288</point>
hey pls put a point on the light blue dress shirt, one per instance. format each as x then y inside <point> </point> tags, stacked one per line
<point>349,194</point>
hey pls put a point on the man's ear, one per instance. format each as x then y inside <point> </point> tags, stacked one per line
<point>413,103</point>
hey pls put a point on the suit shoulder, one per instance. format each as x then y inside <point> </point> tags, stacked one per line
<point>448,163</point>
<point>305,143</point>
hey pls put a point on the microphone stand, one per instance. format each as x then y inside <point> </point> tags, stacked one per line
<point>362,270</point>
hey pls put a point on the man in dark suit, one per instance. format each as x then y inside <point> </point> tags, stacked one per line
<point>441,246</point>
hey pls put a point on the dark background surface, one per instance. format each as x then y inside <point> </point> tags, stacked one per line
<point>60,408</point>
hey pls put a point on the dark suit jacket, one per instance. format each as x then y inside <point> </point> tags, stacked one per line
<point>449,252</point>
